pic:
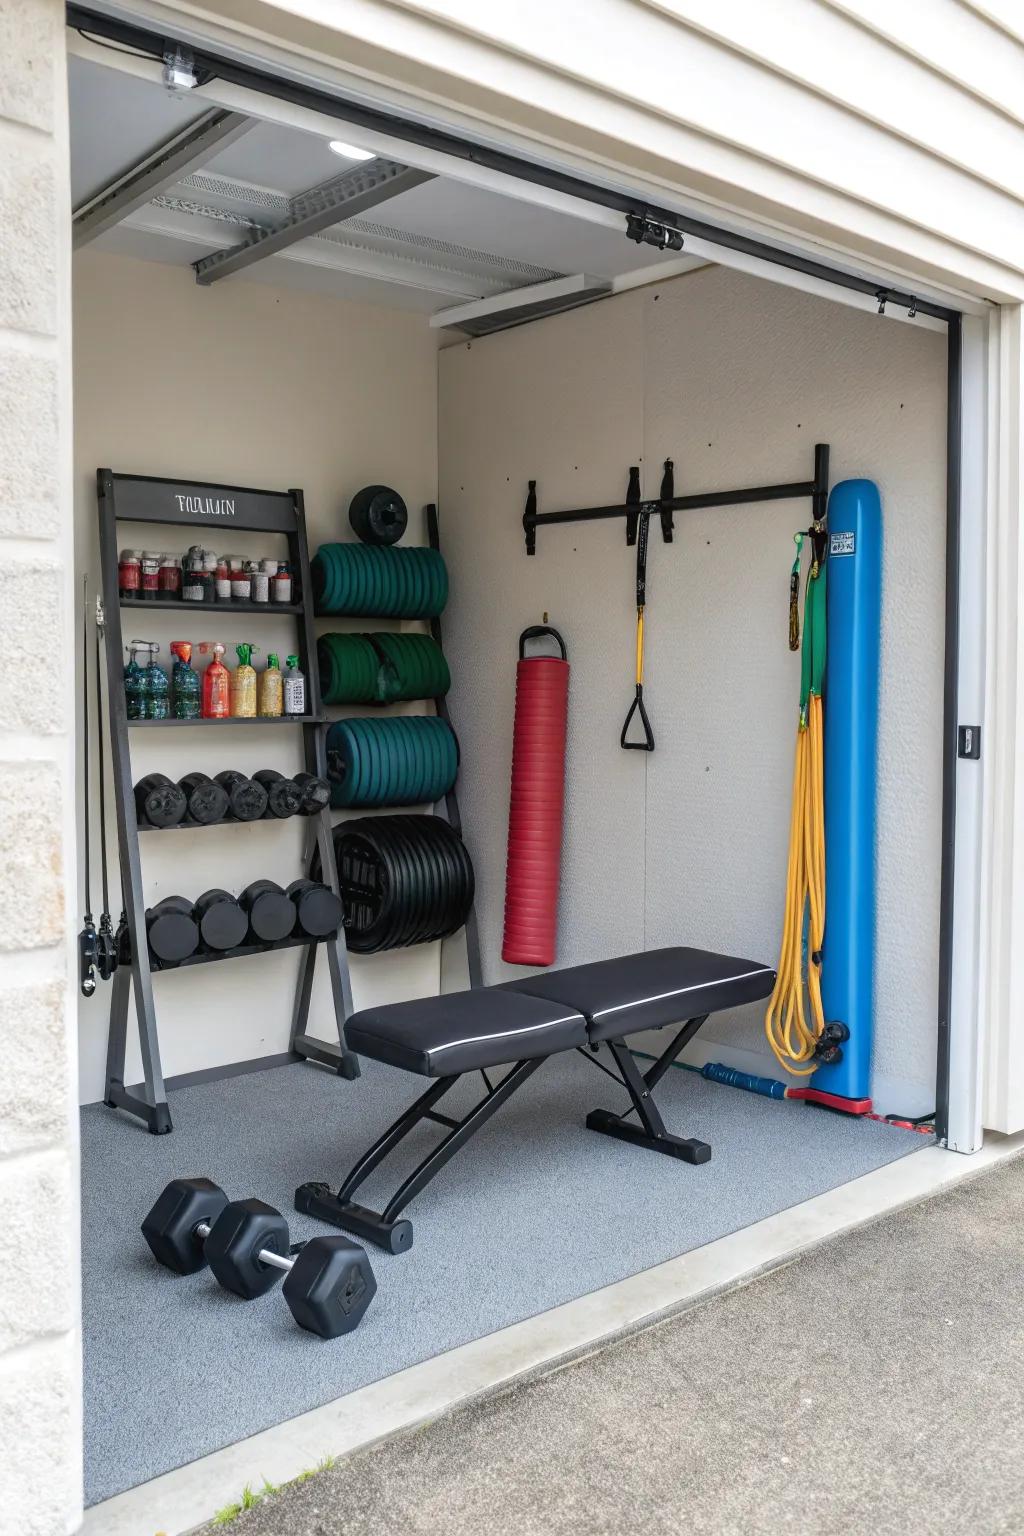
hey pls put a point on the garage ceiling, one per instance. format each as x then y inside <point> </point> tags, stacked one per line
<point>434,246</point>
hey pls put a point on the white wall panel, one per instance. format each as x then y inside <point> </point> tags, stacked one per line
<point>561,403</point>
<point>735,382</point>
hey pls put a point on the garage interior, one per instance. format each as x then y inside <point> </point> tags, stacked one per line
<point>457,342</point>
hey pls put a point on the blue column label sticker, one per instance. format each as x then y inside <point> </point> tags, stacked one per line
<point>842,543</point>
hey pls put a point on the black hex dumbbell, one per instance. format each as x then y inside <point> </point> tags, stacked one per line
<point>329,1282</point>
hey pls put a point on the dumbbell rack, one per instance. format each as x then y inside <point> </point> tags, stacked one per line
<point>453,817</point>
<point>202,507</point>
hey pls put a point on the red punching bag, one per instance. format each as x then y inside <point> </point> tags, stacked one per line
<point>535,808</point>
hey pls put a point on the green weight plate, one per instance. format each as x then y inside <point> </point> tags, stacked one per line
<point>434,752</point>
<point>410,768</point>
<point>368,774</point>
<point>357,756</point>
<point>398,761</point>
<point>335,585</point>
<point>416,768</point>
<point>392,562</point>
<point>372,777</point>
<point>382,767</point>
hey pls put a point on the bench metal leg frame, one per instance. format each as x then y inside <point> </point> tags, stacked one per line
<point>384,1228</point>
<point>651,1131</point>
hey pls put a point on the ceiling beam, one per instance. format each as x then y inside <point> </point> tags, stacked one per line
<point>161,168</point>
<point>343,197</point>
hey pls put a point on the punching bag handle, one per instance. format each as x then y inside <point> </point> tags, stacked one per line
<point>533,632</point>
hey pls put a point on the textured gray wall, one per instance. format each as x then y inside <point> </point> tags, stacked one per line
<point>735,381</point>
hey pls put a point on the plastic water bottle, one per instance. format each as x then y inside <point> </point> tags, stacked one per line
<point>294,688</point>
<point>184,682</point>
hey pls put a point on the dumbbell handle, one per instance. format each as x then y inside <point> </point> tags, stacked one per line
<point>274,1260</point>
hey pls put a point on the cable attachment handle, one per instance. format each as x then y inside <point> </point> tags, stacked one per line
<point>637,706</point>
<point>536,632</point>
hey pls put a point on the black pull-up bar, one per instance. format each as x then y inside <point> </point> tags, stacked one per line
<point>633,508</point>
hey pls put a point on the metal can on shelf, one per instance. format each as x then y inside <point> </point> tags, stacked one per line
<point>169,577</point>
<point>241,585</point>
<point>193,581</point>
<point>150,588</point>
<point>259,579</point>
<point>281,583</point>
<point>129,573</point>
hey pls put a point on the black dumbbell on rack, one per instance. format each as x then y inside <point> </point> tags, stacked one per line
<point>222,923</point>
<point>319,911</point>
<point>207,800</point>
<point>247,800</point>
<point>172,929</point>
<point>284,797</point>
<point>329,1282</point>
<point>271,912</point>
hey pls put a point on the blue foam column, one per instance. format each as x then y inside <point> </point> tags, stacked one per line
<point>851,766</point>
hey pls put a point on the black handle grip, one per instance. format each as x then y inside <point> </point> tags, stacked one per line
<point>637,707</point>
<point>533,632</point>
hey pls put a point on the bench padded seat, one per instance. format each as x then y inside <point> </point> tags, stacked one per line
<point>651,989</point>
<point>463,1031</point>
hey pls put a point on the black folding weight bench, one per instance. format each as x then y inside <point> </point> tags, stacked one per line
<point>520,1024</point>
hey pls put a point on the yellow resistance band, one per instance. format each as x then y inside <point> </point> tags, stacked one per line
<point>791,1034</point>
<point>639,647</point>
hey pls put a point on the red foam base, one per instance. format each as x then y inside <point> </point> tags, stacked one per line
<point>831,1100</point>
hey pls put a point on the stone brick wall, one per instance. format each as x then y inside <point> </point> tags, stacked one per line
<point>40,1371</point>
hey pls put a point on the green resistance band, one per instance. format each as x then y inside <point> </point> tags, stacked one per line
<point>812,653</point>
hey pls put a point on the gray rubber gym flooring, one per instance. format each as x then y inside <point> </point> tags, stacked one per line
<point>535,1211</point>
<point>871,1387</point>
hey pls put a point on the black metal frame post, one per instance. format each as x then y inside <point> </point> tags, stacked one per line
<point>451,801</point>
<point>148,499</point>
<point>384,1227</point>
<point>651,1132</point>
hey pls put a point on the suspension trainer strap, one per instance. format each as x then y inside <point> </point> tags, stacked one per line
<point>637,706</point>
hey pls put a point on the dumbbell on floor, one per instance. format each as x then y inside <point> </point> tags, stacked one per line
<point>328,1281</point>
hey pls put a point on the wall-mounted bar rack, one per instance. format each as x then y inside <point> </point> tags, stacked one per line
<point>632,508</point>
<point>203,507</point>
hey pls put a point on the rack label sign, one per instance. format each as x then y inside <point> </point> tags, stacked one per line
<point>206,506</point>
<point>843,543</point>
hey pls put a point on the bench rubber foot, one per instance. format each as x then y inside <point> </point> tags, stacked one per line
<point>688,1151</point>
<point>317,1200</point>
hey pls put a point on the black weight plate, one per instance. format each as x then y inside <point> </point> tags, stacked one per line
<point>419,895</point>
<point>449,877</point>
<point>378,515</point>
<point>366,910</point>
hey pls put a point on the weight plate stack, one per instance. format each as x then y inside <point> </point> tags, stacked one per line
<point>364,580</point>
<point>380,668</point>
<point>414,668</point>
<point>409,760</point>
<point>349,669</point>
<point>404,880</point>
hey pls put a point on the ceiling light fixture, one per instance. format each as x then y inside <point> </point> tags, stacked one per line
<point>351,151</point>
